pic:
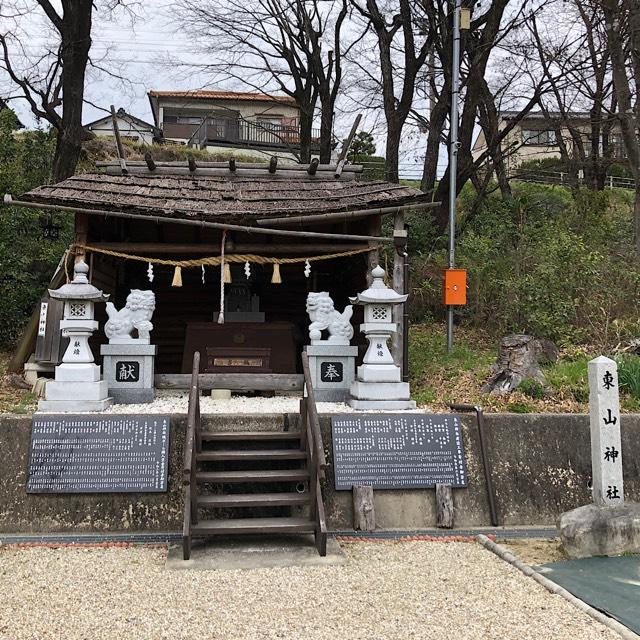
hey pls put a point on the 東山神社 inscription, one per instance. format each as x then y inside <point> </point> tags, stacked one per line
<point>398,451</point>
<point>98,454</point>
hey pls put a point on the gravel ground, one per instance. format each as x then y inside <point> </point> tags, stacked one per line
<point>388,590</point>
<point>177,402</point>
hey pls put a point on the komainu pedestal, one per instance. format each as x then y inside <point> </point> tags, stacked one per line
<point>331,360</point>
<point>128,361</point>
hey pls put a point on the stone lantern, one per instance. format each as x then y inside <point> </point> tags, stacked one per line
<point>378,382</point>
<point>77,385</point>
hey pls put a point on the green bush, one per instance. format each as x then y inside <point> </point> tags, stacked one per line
<point>27,260</point>
<point>532,388</point>
<point>629,375</point>
<point>543,263</point>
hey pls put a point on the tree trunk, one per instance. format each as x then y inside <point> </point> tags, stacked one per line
<point>436,124</point>
<point>306,122</point>
<point>326,129</point>
<point>517,361</point>
<point>392,170</point>
<point>76,42</point>
<point>636,218</point>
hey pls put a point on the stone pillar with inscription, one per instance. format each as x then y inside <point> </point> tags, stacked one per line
<point>128,360</point>
<point>608,526</point>
<point>77,385</point>
<point>606,454</point>
<point>332,360</point>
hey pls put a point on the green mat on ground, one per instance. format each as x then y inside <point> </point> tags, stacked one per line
<point>611,585</point>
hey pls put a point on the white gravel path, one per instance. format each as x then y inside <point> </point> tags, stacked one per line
<point>168,402</point>
<point>387,591</point>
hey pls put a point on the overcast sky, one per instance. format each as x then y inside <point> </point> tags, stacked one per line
<point>151,52</point>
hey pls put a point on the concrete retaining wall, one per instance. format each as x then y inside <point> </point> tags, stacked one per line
<point>541,467</point>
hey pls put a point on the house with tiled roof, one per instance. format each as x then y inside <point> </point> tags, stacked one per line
<point>229,120</point>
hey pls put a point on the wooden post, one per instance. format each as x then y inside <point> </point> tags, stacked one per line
<point>342,158</point>
<point>119,147</point>
<point>364,514</point>
<point>397,340</point>
<point>444,506</point>
<point>373,257</point>
<point>148,158</point>
<point>81,234</point>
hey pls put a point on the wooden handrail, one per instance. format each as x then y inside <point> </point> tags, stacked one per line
<point>192,443</point>
<point>194,397</point>
<point>312,415</point>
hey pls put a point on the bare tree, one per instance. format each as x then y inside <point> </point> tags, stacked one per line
<point>295,46</point>
<point>491,24</point>
<point>52,83</point>
<point>622,24</point>
<point>575,61</point>
<point>402,51</point>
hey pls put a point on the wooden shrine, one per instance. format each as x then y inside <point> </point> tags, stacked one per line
<point>280,230</point>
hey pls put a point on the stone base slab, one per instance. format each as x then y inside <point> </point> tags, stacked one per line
<point>77,373</point>
<point>129,349</point>
<point>379,373</point>
<point>331,395</point>
<point>73,406</point>
<point>132,396</point>
<point>76,391</point>
<point>380,390</point>
<point>600,531</point>
<point>331,349</point>
<point>382,405</point>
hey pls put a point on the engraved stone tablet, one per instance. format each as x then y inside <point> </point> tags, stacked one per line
<point>398,451</point>
<point>98,454</point>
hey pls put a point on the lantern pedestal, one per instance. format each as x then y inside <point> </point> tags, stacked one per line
<point>77,386</point>
<point>379,381</point>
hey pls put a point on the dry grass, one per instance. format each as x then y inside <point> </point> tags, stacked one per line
<point>438,379</point>
<point>13,398</point>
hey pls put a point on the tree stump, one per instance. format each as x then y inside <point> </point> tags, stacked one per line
<point>364,515</point>
<point>444,506</point>
<point>518,359</point>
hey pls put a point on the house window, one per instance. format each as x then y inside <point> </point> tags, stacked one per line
<point>272,123</point>
<point>539,137</point>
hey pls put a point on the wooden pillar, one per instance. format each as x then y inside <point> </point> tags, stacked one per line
<point>397,340</point>
<point>364,514</point>
<point>444,506</point>
<point>373,257</point>
<point>81,234</point>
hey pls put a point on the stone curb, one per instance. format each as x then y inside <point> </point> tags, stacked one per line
<point>556,589</point>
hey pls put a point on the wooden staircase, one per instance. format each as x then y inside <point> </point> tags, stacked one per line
<point>260,482</point>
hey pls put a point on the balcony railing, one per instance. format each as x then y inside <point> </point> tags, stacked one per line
<point>246,133</point>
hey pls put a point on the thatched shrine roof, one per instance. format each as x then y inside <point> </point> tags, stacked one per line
<point>216,193</point>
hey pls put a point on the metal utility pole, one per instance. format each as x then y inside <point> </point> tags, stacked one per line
<point>453,156</point>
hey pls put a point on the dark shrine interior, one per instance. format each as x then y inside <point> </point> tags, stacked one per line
<point>184,316</point>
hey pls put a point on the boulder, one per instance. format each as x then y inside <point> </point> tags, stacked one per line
<point>600,531</point>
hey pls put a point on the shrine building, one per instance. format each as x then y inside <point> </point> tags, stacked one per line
<point>279,232</point>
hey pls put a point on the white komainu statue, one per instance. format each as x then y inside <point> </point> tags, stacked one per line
<point>136,314</point>
<point>324,316</point>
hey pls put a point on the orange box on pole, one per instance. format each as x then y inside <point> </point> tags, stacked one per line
<point>455,287</point>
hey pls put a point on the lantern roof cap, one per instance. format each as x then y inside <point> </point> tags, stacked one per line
<point>79,288</point>
<point>378,292</point>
